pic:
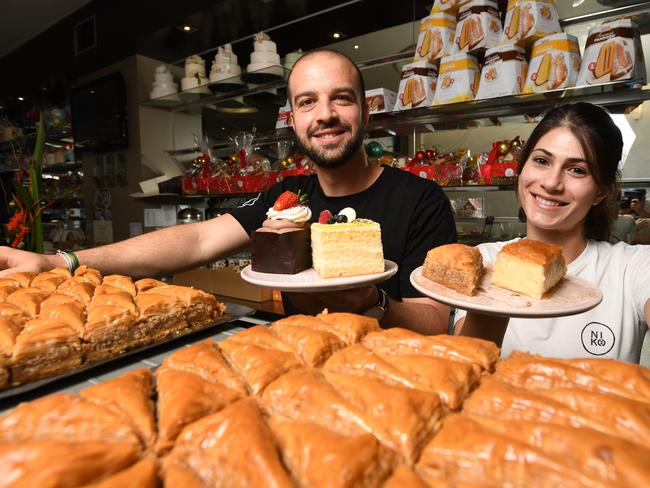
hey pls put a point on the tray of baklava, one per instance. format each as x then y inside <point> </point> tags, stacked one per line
<point>55,323</point>
<point>333,400</point>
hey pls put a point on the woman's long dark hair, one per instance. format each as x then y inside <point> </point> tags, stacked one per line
<point>602,144</point>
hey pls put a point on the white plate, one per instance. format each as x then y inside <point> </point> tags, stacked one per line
<point>309,281</point>
<point>571,296</point>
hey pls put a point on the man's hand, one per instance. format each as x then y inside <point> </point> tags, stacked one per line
<point>357,300</point>
<point>15,261</point>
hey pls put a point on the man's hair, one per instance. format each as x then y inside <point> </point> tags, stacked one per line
<point>359,86</point>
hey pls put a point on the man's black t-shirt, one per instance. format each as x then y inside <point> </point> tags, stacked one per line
<point>414,214</point>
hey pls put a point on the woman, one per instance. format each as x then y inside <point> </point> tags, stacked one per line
<point>567,189</point>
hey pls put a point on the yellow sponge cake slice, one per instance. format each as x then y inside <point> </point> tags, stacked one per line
<point>529,267</point>
<point>347,248</point>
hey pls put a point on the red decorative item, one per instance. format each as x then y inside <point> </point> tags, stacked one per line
<point>242,158</point>
<point>420,155</point>
<point>430,153</point>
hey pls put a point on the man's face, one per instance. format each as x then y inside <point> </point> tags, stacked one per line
<point>327,115</point>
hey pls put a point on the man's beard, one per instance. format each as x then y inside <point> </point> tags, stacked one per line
<point>337,156</point>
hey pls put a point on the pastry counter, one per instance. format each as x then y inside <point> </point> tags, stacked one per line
<point>333,400</point>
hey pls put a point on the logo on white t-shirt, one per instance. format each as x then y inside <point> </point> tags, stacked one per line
<point>597,338</point>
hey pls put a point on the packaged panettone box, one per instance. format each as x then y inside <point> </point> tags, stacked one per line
<point>478,26</point>
<point>436,38</point>
<point>612,53</point>
<point>447,6</point>
<point>554,64</point>
<point>417,86</point>
<point>457,80</point>
<point>503,73</point>
<point>529,20</point>
<point>380,100</point>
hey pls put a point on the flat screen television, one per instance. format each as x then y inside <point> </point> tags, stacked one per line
<point>98,111</point>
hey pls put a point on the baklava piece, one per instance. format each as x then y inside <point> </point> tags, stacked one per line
<point>13,312</point>
<point>23,279</point>
<point>9,330</point>
<point>84,273</point>
<point>200,308</point>
<point>28,300</point>
<point>204,359</point>
<point>529,267</point>
<point>479,353</point>
<point>48,281</point>
<point>312,345</point>
<point>146,284</point>
<point>234,447</point>
<point>130,397</point>
<point>304,395</point>
<point>40,463</point>
<point>5,291</point>
<point>119,299</point>
<point>403,419</point>
<point>183,398</point>
<point>258,365</point>
<point>109,330</point>
<point>451,381</point>
<point>159,316</point>
<point>456,266</point>
<point>351,327</point>
<point>317,456</point>
<point>66,417</point>
<point>143,474</point>
<point>122,282</point>
<point>43,348</point>
<point>81,291</point>
<point>72,313</point>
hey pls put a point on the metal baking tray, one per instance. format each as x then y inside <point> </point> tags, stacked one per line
<point>233,312</point>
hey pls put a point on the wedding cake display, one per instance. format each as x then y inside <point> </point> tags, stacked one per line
<point>265,59</point>
<point>163,83</point>
<point>225,69</point>
<point>194,73</point>
<point>291,58</point>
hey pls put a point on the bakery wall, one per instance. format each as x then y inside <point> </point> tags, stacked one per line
<point>151,132</point>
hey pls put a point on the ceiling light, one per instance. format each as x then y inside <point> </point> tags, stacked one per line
<point>20,99</point>
<point>356,46</point>
<point>187,28</point>
<point>337,35</point>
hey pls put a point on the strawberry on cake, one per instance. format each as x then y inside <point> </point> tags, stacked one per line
<point>282,244</point>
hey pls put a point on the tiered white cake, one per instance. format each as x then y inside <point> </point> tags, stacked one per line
<point>264,58</point>
<point>163,83</point>
<point>194,73</point>
<point>225,67</point>
<point>291,58</point>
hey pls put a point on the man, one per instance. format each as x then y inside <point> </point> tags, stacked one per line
<point>329,116</point>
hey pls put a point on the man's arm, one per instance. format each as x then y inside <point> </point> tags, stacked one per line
<point>419,314</point>
<point>153,254</point>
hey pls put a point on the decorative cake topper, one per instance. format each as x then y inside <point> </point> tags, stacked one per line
<point>162,69</point>
<point>261,36</point>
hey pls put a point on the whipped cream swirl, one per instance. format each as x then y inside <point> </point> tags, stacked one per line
<point>293,214</point>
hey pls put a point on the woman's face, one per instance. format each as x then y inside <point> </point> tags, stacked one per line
<point>556,188</point>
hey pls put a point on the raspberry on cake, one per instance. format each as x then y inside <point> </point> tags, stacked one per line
<point>281,245</point>
<point>346,246</point>
<point>529,267</point>
<point>456,266</point>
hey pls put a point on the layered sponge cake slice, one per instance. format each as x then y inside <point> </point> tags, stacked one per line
<point>348,247</point>
<point>529,267</point>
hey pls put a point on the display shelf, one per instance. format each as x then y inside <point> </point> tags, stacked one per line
<point>197,98</point>
<point>61,168</point>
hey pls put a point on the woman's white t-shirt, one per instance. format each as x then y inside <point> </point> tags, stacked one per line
<point>614,329</point>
